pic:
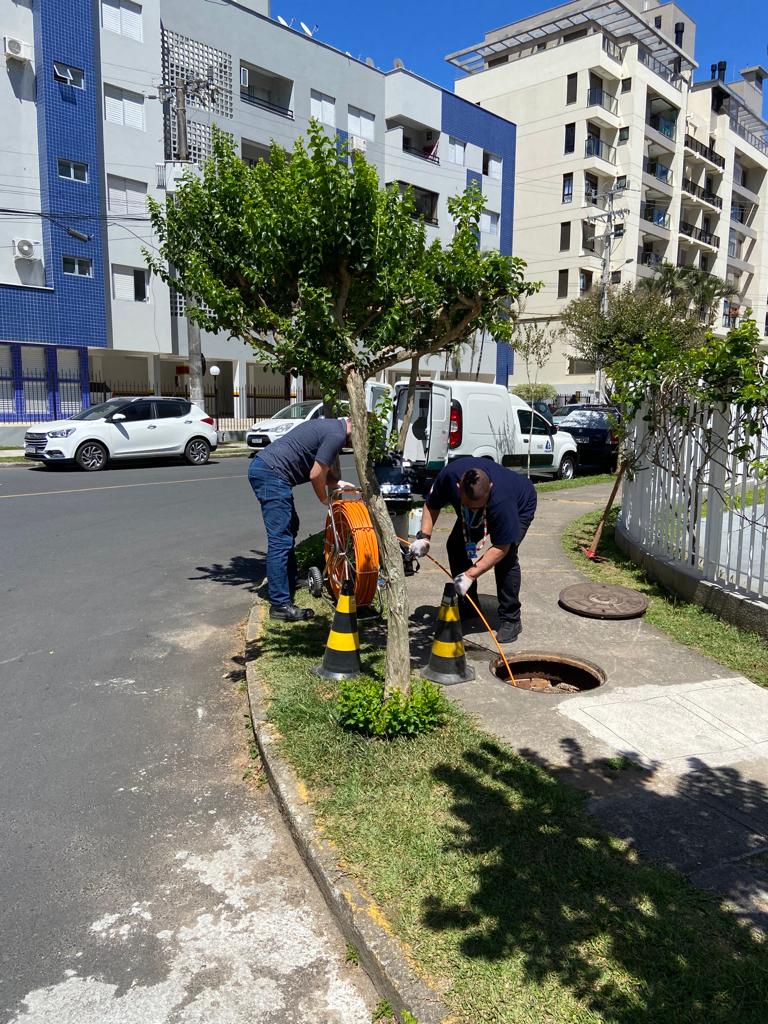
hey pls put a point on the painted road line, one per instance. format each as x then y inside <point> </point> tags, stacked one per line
<point>120,487</point>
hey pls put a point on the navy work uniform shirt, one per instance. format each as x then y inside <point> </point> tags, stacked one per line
<point>511,506</point>
<point>292,456</point>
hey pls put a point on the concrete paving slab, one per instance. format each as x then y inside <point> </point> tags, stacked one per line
<point>741,706</point>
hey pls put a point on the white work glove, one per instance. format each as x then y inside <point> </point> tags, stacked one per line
<point>419,547</point>
<point>345,485</point>
<point>462,582</point>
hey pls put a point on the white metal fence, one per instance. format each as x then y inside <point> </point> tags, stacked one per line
<point>697,502</point>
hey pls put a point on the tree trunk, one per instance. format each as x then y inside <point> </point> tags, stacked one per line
<point>413,377</point>
<point>607,510</point>
<point>398,654</point>
<point>194,359</point>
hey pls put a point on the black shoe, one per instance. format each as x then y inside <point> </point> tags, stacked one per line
<point>290,613</point>
<point>508,632</point>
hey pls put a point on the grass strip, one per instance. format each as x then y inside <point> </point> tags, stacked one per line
<point>695,627</point>
<point>503,889</point>
<point>577,481</point>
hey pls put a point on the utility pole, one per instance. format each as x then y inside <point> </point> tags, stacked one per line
<point>177,94</point>
<point>605,270</point>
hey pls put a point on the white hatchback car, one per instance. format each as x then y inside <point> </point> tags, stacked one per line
<point>125,428</point>
<point>266,431</point>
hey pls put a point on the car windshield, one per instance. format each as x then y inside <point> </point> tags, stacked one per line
<point>100,411</point>
<point>585,418</point>
<point>299,411</point>
<point>562,410</point>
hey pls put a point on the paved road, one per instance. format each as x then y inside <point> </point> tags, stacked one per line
<point>142,879</point>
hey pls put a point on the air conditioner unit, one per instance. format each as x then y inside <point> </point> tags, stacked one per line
<point>358,144</point>
<point>25,249</point>
<point>16,49</point>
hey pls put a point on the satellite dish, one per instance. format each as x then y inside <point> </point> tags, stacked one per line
<point>398,63</point>
<point>282,21</point>
<point>307,31</point>
<point>370,62</point>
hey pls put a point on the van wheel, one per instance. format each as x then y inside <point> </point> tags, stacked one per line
<point>567,468</point>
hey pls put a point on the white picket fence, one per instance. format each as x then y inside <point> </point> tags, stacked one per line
<point>694,502</point>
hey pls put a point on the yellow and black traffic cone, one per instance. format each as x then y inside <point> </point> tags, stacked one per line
<point>342,652</point>
<point>447,661</point>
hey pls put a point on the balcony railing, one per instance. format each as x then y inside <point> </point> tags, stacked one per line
<point>422,156</point>
<point>731,321</point>
<point>655,215</point>
<point>739,214</point>
<point>665,125</point>
<point>748,136</point>
<point>705,151</point>
<point>249,97</point>
<point>701,193</point>
<point>598,148</point>
<point>699,234</point>
<point>647,58</point>
<point>600,98</point>
<point>658,170</point>
<point>614,51</point>
<point>651,259</point>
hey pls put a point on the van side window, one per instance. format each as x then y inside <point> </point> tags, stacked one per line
<point>540,425</point>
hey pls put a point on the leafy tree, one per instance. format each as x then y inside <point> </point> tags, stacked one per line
<point>535,392</point>
<point>327,274</point>
<point>534,341</point>
<point>691,286</point>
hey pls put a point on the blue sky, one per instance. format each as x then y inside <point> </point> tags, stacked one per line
<point>421,32</point>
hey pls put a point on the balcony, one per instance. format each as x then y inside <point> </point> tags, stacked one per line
<point>699,234</point>
<point>701,193</point>
<point>668,74</point>
<point>600,98</point>
<point>748,136</point>
<point>731,321</point>
<point>656,169</point>
<point>251,97</point>
<point>744,191</point>
<point>600,150</point>
<point>740,216</point>
<point>422,154</point>
<point>614,51</point>
<point>663,125</point>
<point>266,90</point>
<point>705,152</point>
<point>655,215</point>
<point>736,257</point>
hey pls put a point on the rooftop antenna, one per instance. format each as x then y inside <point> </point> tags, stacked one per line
<point>398,63</point>
<point>283,21</point>
<point>370,62</point>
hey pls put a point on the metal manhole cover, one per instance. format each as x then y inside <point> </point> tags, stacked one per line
<point>603,601</point>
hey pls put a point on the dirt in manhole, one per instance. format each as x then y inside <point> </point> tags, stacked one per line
<point>549,673</point>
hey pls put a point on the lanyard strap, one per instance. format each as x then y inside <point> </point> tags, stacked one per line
<point>465,529</point>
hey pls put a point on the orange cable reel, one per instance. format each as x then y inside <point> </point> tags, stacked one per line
<point>352,550</point>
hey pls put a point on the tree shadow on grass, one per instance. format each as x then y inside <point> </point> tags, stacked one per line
<point>554,894</point>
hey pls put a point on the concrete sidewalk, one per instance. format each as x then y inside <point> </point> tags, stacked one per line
<point>698,734</point>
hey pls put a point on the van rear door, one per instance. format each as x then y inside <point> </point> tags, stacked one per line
<point>426,443</point>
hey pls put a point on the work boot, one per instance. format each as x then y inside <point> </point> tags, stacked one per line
<point>508,632</point>
<point>289,613</point>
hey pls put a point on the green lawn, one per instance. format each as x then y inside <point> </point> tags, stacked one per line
<point>508,897</point>
<point>746,653</point>
<point>577,481</point>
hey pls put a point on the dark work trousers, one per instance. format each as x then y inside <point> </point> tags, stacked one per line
<point>507,575</point>
<point>282,524</point>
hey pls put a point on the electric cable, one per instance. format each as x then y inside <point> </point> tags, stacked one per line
<point>352,550</point>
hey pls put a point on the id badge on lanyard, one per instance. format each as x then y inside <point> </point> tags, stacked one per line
<point>468,522</point>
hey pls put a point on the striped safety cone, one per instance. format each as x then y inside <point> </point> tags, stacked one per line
<point>342,652</point>
<point>447,661</point>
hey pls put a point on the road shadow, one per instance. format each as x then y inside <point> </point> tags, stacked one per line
<point>552,891</point>
<point>248,572</point>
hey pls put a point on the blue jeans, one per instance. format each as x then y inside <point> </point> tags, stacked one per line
<point>282,524</point>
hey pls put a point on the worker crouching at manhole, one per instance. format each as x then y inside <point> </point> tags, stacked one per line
<point>494,507</point>
<point>308,454</point>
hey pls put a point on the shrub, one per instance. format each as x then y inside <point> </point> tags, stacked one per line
<point>362,707</point>
<point>310,552</point>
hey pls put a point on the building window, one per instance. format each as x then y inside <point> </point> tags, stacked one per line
<point>621,182</point>
<point>68,75</point>
<point>618,230</point>
<point>570,138</point>
<point>562,284</point>
<point>657,21</point>
<point>494,62</point>
<point>130,284</point>
<point>565,236</point>
<point>576,365</point>
<point>572,84</point>
<point>125,195</point>
<point>73,170</point>
<point>76,266</point>
<point>540,47</point>
<point>704,262</point>
<point>360,123</point>
<point>489,222</point>
<point>323,108</point>
<point>585,281</point>
<point>615,277</point>
<point>123,17</point>
<point>567,188</point>
<point>491,165</point>
<point>624,134</point>
<point>457,151</point>
<point>124,107</point>
<point>626,84</point>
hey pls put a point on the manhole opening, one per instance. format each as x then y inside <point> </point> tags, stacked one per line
<point>549,673</point>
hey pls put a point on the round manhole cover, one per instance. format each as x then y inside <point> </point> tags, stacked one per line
<point>603,601</point>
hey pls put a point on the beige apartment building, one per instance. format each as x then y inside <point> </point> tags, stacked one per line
<point>622,160</point>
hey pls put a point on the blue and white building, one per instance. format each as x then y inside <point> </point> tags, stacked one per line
<point>79,314</point>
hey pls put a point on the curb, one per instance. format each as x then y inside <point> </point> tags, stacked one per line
<point>357,915</point>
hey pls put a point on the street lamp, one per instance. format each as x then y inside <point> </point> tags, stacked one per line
<point>215,371</point>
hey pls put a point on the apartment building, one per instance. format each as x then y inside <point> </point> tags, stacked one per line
<point>99,135</point>
<point>623,161</point>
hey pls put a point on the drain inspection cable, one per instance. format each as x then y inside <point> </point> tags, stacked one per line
<point>483,619</point>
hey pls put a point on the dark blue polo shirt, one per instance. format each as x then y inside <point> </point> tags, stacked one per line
<point>511,506</point>
<point>292,456</point>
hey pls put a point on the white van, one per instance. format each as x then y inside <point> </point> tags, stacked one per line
<point>457,417</point>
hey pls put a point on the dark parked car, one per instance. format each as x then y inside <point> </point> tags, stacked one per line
<point>593,428</point>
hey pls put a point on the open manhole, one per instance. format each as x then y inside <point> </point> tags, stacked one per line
<point>549,673</point>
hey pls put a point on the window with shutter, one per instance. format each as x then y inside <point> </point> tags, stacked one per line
<point>130,20</point>
<point>116,201</point>
<point>456,151</point>
<point>323,108</point>
<point>113,104</point>
<point>122,283</point>
<point>136,196</point>
<point>110,15</point>
<point>316,105</point>
<point>133,110</point>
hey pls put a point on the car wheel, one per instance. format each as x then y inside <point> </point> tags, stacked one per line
<point>197,451</point>
<point>315,581</point>
<point>567,468</point>
<point>91,456</point>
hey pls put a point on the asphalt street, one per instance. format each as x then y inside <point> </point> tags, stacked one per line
<point>142,878</point>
